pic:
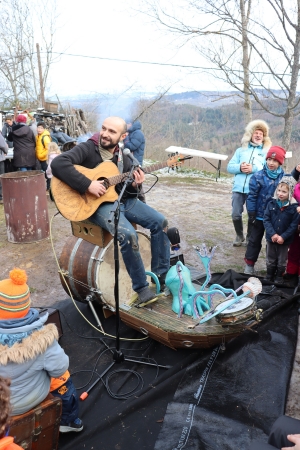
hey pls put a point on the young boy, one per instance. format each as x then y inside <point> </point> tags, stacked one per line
<point>31,356</point>
<point>281,221</point>
<point>261,189</point>
<point>42,142</point>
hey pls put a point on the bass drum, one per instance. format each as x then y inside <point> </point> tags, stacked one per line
<point>90,270</point>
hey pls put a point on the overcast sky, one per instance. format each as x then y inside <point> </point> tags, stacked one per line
<point>112,29</point>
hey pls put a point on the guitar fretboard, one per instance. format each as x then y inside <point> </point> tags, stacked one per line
<point>119,178</point>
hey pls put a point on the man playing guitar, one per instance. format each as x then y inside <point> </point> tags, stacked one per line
<point>103,146</point>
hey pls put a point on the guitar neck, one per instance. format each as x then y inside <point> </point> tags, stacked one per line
<point>119,178</point>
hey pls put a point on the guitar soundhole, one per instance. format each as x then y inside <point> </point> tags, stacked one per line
<point>105,182</point>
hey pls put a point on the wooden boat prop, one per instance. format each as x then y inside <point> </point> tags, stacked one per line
<point>89,273</point>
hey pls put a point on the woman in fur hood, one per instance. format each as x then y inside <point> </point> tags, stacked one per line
<point>30,355</point>
<point>247,159</point>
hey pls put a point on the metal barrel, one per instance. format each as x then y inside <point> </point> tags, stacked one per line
<point>25,206</point>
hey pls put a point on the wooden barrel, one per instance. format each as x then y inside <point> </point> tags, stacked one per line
<point>89,270</point>
<point>78,261</point>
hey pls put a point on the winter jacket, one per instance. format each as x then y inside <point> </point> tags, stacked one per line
<point>295,174</point>
<point>6,129</point>
<point>50,159</point>
<point>85,154</point>
<point>135,141</point>
<point>281,221</point>
<point>254,155</point>
<point>42,142</point>
<point>24,145</point>
<point>261,190</point>
<point>61,137</point>
<point>3,148</point>
<point>31,363</point>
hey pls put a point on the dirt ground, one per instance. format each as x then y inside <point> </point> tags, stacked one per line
<point>199,207</point>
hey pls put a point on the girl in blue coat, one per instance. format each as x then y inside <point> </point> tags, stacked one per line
<point>261,189</point>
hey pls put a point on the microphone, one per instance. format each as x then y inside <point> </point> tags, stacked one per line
<point>135,162</point>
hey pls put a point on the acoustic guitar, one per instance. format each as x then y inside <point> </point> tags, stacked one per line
<point>76,207</point>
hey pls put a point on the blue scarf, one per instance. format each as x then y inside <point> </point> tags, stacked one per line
<point>273,173</point>
<point>282,204</point>
<point>10,339</point>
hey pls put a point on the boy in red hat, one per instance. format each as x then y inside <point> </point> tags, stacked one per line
<point>261,189</point>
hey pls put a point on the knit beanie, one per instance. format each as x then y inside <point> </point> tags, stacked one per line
<point>277,153</point>
<point>290,182</point>
<point>14,295</point>
<point>21,118</point>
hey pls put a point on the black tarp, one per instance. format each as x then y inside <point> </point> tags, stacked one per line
<point>206,400</point>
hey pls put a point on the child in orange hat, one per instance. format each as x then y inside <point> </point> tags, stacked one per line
<point>30,348</point>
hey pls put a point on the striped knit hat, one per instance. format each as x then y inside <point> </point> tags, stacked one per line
<point>14,295</point>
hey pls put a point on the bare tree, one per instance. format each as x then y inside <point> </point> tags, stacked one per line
<point>20,26</point>
<point>260,61</point>
<point>278,61</point>
<point>222,37</point>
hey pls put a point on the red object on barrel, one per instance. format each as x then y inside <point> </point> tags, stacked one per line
<point>25,206</point>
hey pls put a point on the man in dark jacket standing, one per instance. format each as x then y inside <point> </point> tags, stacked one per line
<point>135,140</point>
<point>7,128</point>
<point>24,144</point>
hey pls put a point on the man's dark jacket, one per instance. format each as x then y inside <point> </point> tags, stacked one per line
<point>135,141</point>
<point>24,145</point>
<point>85,154</point>
<point>5,132</point>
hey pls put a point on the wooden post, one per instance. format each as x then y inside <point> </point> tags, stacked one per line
<point>40,75</point>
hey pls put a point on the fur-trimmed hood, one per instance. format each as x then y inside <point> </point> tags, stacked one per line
<point>31,347</point>
<point>257,125</point>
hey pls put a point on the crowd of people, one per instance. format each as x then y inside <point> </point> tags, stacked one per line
<point>272,200</point>
<point>270,195</point>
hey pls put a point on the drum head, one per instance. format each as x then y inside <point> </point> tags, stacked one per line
<point>106,272</point>
<point>236,308</point>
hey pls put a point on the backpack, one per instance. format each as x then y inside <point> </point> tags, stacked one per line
<point>52,139</point>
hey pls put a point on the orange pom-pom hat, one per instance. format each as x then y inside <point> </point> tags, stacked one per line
<point>14,295</point>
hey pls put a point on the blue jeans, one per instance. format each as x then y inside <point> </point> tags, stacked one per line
<point>133,210</point>
<point>238,201</point>
<point>70,402</point>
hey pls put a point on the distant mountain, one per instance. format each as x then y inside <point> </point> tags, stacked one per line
<point>204,99</point>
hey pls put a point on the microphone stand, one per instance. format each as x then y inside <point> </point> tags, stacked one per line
<point>118,355</point>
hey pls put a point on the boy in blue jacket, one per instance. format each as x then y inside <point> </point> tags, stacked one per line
<point>280,221</point>
<point>261,189</point>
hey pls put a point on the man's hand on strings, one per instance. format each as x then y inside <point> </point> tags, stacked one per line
<point>139,177</point>
<point>97,188</point>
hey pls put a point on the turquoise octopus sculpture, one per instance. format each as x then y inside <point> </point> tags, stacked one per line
<point>186,299</point>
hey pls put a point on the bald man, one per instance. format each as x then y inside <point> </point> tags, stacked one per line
<point>103,146</point>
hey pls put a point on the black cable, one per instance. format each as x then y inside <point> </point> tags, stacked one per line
<point>122,396</point>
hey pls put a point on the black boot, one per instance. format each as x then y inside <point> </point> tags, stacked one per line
<point>270,274</point>
<point>279,276</point>
<point>249,231</point>
<point>238,226</point>
<point>297,288</point>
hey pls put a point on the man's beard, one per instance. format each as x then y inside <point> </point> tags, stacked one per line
<point>108,145</point>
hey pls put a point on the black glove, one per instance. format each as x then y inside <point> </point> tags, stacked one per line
<point>252,218</point>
